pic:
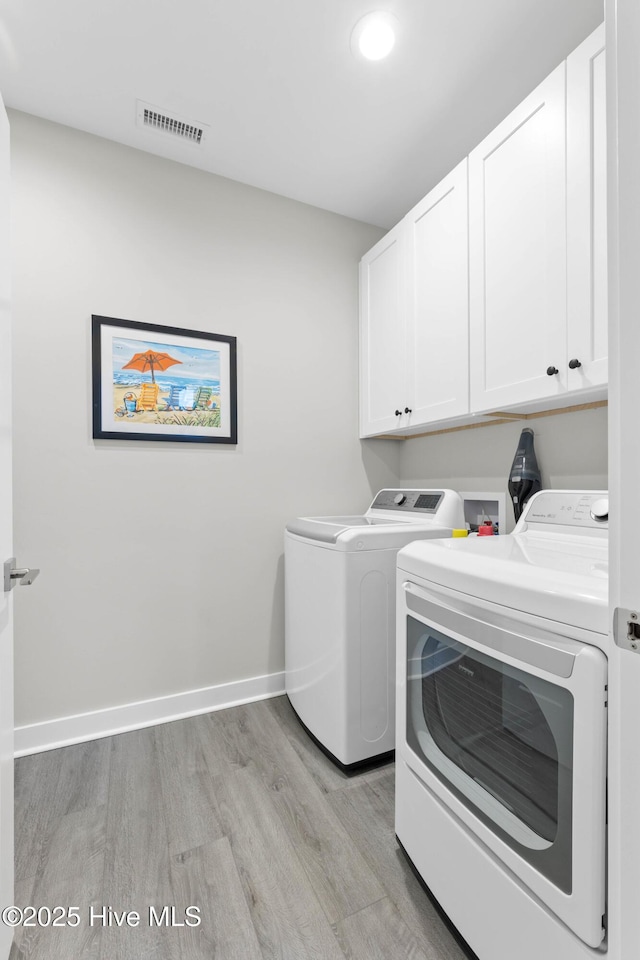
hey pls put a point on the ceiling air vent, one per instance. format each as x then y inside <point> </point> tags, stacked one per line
<point>152,118</point>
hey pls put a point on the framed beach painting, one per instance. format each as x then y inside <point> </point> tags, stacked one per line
<point>162,383</point>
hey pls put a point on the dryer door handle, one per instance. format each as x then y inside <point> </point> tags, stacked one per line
<point>550,655</point>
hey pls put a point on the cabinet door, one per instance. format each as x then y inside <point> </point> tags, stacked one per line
<point>438,307</point>
<point>517,248</point>
<point>383,387</point>
<point>587,214</point>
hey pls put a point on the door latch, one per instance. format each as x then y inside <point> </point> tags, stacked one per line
<point>22,575</point>
<point>626,629</point>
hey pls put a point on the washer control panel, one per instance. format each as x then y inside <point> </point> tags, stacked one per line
<point>408,501</point>
<point>569,508</point>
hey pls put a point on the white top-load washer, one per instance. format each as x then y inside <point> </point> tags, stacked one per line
<point>501,728</point>
<point>340,617</point>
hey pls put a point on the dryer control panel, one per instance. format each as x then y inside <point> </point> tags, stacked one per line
<point>568,508</point>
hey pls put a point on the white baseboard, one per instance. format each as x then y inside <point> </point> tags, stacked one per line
<point>51,734</point>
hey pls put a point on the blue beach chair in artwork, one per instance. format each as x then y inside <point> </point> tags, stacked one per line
<point>173,400</point>
<point>187,398</point>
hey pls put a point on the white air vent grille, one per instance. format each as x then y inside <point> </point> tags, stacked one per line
<point>152,118</point>
<point>171,125</point>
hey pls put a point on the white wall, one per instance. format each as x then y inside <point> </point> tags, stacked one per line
<point>162,563</point>
<point>571,450</point>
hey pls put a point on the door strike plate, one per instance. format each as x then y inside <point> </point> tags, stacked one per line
<point>626,629</point>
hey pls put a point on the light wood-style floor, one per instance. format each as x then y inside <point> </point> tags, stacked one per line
<point>236,812</point>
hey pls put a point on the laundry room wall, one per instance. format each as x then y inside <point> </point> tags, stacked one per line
<point>161,563</point>
<point>571,449</point>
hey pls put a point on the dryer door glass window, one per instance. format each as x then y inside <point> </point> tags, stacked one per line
<point>501,738</point>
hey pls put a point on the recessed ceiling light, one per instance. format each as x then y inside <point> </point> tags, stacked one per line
<point>373,37</point>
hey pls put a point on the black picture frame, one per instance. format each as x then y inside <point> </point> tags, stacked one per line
<point>186,393</point>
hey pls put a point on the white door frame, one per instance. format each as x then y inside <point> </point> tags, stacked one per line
<point>623,161</point>
<point>6,544</point>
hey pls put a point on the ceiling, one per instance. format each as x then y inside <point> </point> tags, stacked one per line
<point>288,106</point>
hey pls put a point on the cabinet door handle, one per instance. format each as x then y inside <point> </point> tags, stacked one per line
<point>551,371</point>
<point>574,364</point>
<point>407,409</point>
<point>398,413</point>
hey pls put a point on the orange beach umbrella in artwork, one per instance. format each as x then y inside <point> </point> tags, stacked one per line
<point>149,360</point>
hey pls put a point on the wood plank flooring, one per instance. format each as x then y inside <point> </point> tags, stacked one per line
<point>236,812</point>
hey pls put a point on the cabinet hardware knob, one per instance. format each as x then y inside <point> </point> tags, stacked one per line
<point>407,409</point>
<point>398,413</point>
<point>574,364</point>
<point>551,371</point>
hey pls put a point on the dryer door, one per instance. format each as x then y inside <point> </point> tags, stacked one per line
<point>509,730</point>
<point>501,738</point>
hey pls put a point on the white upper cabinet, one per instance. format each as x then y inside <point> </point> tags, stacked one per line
<point>383,390</point>
<point>414,305</point>
<point>491,294</point>
<point>517,242</point>
<point>587,215</point>
<point>438,302</point>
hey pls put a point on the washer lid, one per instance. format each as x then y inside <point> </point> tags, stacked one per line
<point>364,533</point>
<point>560,578</point>
<point>328,529</point>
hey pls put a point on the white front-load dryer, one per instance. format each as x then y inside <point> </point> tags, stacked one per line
<point>340,618</point>
<point>502,728</point>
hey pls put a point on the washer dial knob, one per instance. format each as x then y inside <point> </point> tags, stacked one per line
<point>399,499</point>
<point>600,509</point>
